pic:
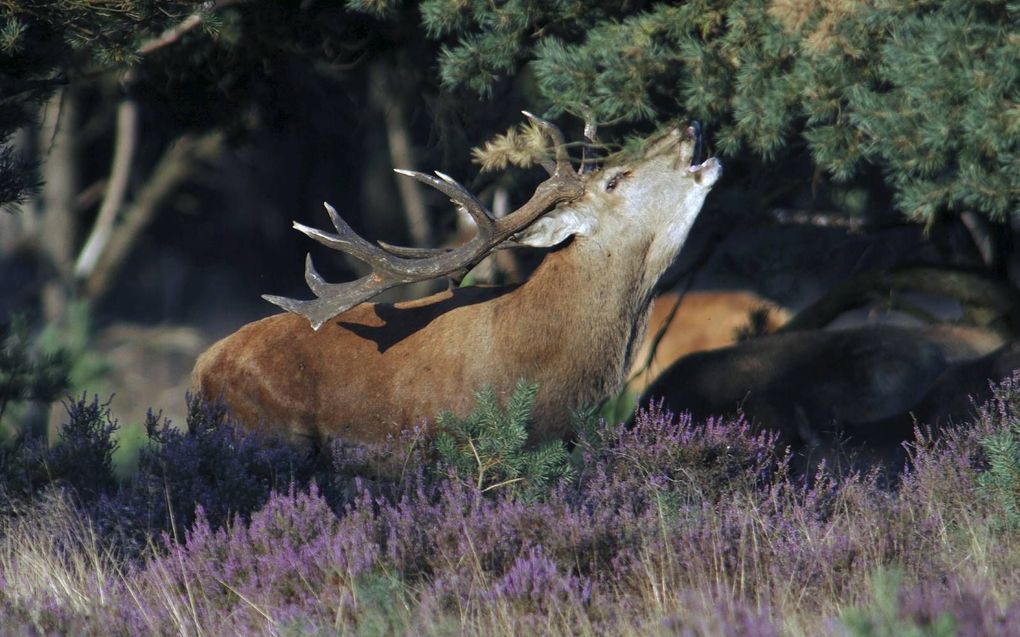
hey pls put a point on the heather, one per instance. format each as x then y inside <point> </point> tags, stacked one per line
<point>663,527</point>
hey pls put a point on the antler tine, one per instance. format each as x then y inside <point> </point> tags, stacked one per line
<point>588,156</point>
<point>457,193</point>
<point>460,196</point>
<point>471,204</point>
<point>412,253</point>
<point>336,298</point>
<point>315,282</point>
<point>346,240</point>
<point>556,136</point>
<point>393,266</point>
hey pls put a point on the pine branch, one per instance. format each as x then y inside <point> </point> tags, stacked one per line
<point>488,449</point>
<point>176,32</point>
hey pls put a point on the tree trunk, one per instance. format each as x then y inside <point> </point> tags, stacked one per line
<point>178,162</point>
<point>398,139</point>
<point>59,172</point>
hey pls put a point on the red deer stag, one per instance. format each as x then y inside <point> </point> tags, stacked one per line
<point>362,371</point>
<point>813,383</point>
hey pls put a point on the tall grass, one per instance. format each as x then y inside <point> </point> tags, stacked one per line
<point>668,527</point>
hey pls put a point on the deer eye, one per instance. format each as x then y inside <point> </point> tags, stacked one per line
<point>615,180</point>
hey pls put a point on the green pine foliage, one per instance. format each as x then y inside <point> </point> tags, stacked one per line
<point>44,43</point>
<point>489,448</point>
<point>17,176</point>
<point>926,91</point>
<point>195,65</point>
<point>1001,481</point>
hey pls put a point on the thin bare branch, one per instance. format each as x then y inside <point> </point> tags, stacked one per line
<point>178,162</point>
<point>172,34</point>
<point>116,189</point>
<point>92,193</point>
<point>175,33</point>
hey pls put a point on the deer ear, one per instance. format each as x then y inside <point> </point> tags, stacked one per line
<point>555,227</point>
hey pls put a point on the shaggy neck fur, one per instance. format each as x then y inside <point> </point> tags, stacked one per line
<point>579,344</point>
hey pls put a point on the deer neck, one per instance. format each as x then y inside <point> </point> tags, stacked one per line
<point>581,316</point>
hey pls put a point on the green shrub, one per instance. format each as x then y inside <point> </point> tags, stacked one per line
<point>1001,481</point>
<point>489,448</point>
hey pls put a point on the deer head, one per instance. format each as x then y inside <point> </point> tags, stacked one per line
<point>663,190</point>
<point>643,205</point>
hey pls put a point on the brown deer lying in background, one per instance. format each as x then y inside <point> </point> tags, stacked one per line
<point>813,384</point>
<point>703,320</point>
<point>364,371</point>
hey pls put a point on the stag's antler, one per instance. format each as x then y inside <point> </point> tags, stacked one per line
<point>589,155</point>
<point>393,266</point>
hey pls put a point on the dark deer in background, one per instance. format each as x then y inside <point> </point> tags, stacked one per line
<point>952,400</point>
<point>695,321</point>
<point>812,386</point>
<point>956,393</point>
<point>364,371</point>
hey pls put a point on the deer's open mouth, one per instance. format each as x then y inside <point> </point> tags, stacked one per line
<point>695,132</point>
